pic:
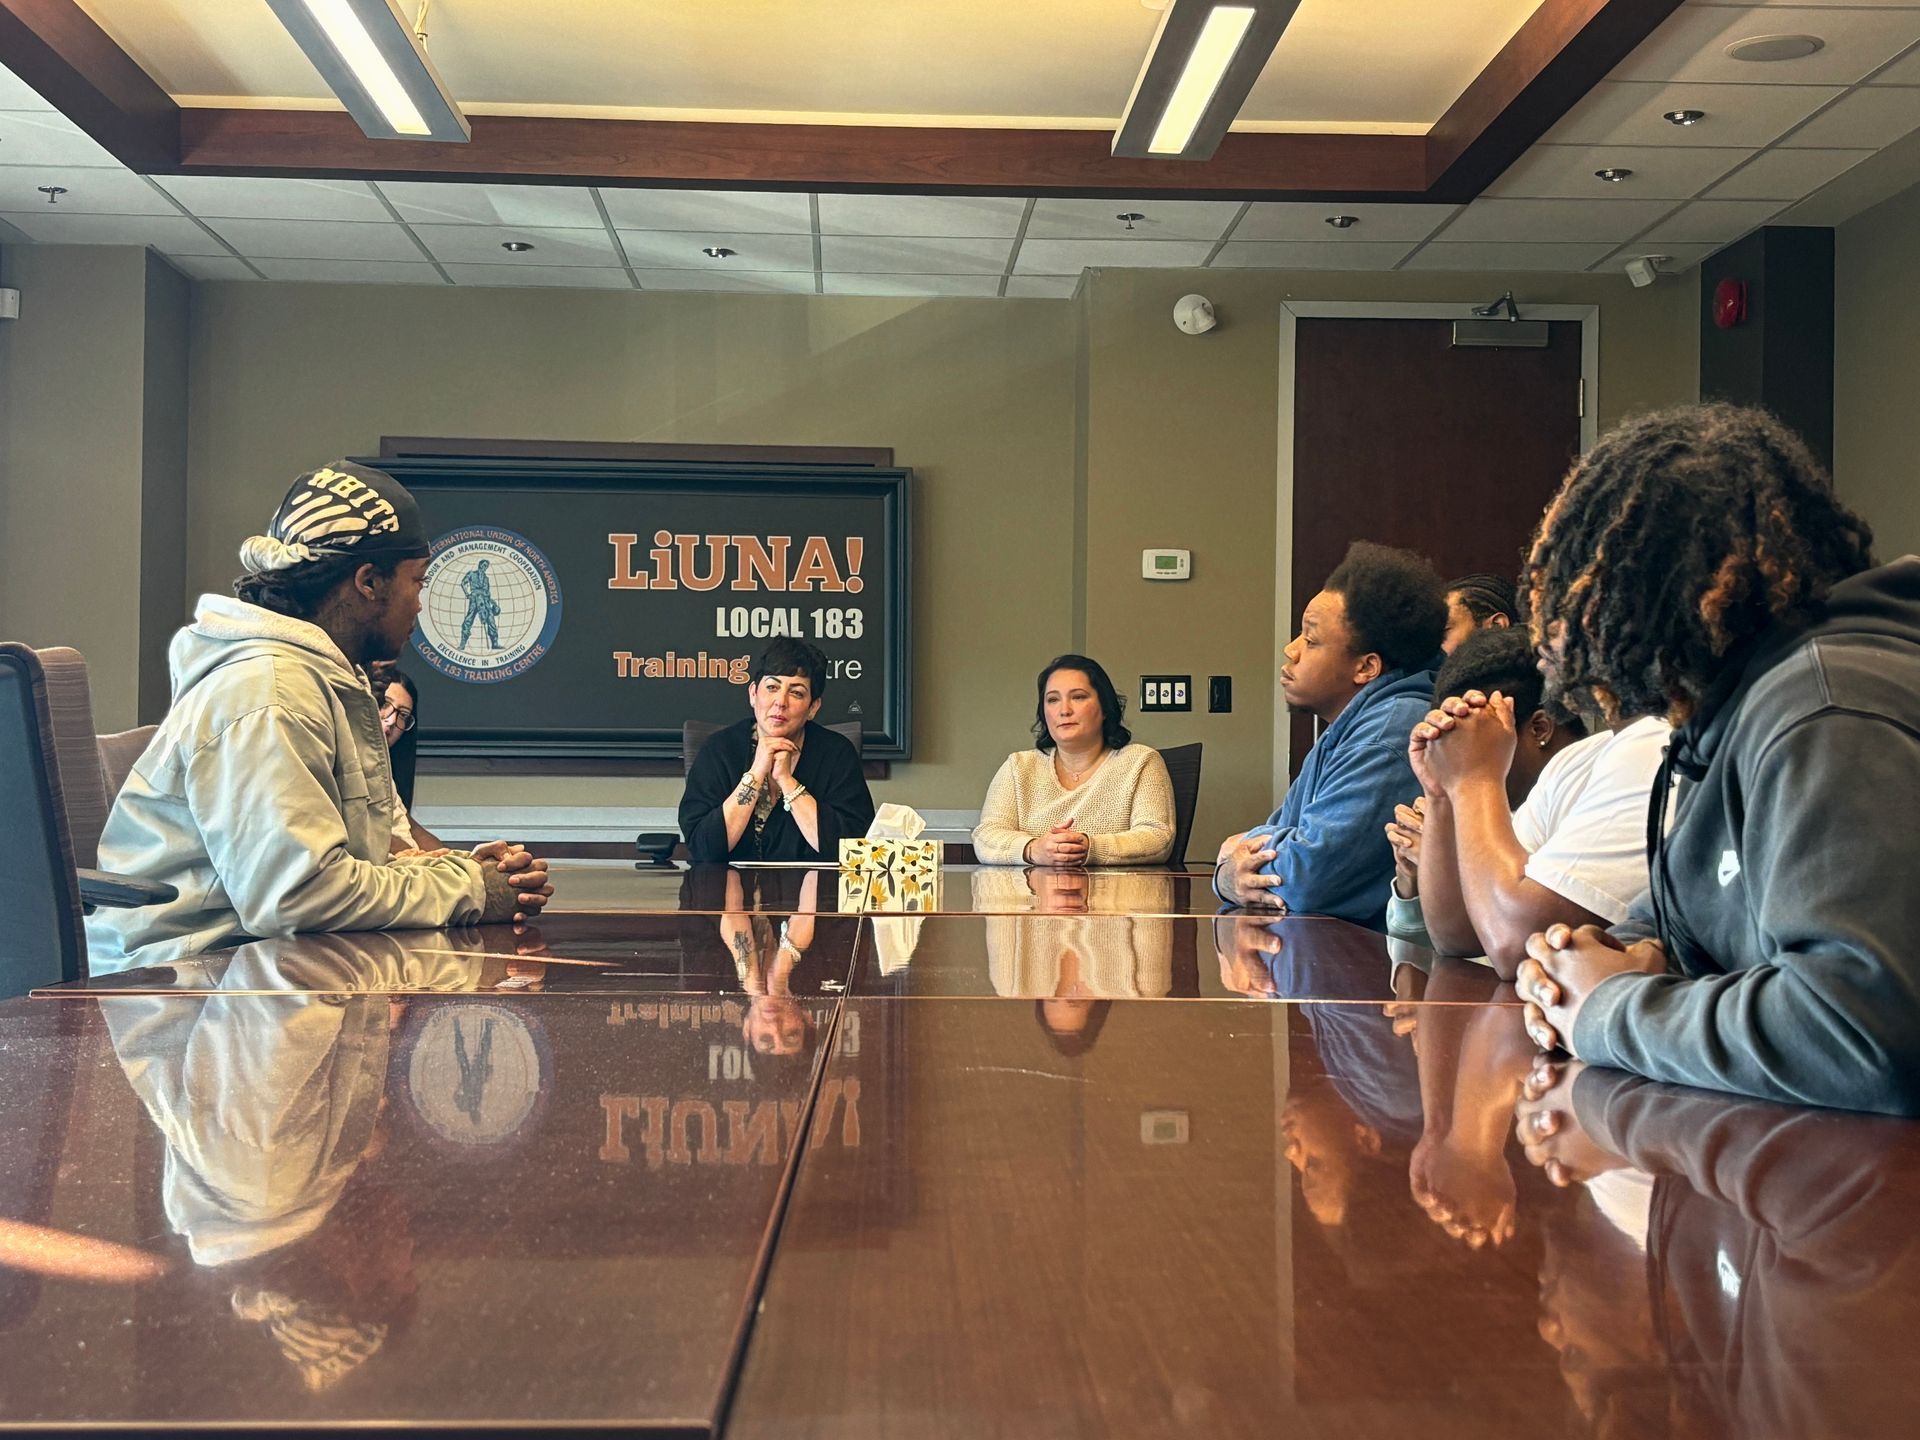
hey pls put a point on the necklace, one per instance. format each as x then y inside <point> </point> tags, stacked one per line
<point>1068,772</point>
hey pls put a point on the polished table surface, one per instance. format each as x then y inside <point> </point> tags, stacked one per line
<point>709,1161</point>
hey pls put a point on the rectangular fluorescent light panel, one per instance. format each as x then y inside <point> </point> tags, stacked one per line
<point>367,53</point>
<point>1219,38</point>
<point>1204,60</point>
<point>349,36</point>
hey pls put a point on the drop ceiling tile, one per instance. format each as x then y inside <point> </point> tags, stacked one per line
<point>1659,172</point>
<point>1555,220</point>
<point>1042,287</point>
<point>1272,220</point>
<point>680,250</point>
<point>546,206</point>
<point>785,282</point>
<point>173,234</point>
<point>1164,219</point>
<point>1710,222</point>
<point>1902,72</point>
<point>575,277</point>
<point>1744,116</point>
<point>211,267</point>
<point>1786,174</point>
<point>317,240</point>
<point>16,94</point>
<point>741,212</point>
<point>912,255</point>
<point>1675,258</point>
<point>1312,254</point>
<point>1497,257</point>
<point>1691,44</point>
<point>352,272</point>
<point>1070,257</point>
<point>963,216</point>
<point>90,191</point>
<point>889,284</point>
<point>239,197</point>
<point>47,138</point>
<point>482,245</point>
<point>1871,118</point>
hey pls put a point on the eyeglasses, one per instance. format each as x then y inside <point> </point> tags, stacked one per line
<point>389,709</point>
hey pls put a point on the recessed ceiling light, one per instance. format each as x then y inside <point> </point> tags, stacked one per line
<point>1684,117</point>
<point>517,247</point>
<point>1613,174</point>
<point>1761,48</point>
<point>716,252</point>
<point>1343,222</point>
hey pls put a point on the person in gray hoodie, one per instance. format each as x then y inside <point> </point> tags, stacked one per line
<point>265,798</point>
<point>1696,563</point>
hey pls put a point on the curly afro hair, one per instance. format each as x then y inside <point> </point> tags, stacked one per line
<point>1679,537</point>
<point>1396,605</point>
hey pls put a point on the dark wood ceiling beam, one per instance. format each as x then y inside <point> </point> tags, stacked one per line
<point>1564,49</point>
<point>56,47</point>
<point>847,158</point>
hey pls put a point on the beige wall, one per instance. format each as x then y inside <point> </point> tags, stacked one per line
<point>977,397</point>
<point>1183,449</point>
<point>87,418</point>
<point>1052,440</point>
<point>1875,363</point>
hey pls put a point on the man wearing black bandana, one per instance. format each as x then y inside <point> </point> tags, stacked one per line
<point>266,799</point>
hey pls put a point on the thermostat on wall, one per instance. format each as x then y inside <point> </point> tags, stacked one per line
<point>1166,564</point>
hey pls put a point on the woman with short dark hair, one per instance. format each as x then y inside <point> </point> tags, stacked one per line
<point>1085,794</point>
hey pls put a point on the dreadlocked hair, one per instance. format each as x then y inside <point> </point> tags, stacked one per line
<point>300,590</point>
<point>1678,537</point>
<point>1484,595</point>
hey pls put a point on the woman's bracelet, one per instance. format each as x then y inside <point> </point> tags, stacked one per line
<point>792,795</point>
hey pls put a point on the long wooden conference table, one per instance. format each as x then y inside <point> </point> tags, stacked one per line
<point>755,1153</point>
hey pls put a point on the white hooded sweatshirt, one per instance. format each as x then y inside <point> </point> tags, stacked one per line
<point>266,800</point>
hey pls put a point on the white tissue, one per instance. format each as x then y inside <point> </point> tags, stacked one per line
<point>896,822</point>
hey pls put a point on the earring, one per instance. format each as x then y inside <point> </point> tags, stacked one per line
<point>1543,744</point>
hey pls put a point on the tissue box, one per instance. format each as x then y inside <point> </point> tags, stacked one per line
<point>915,891</point>
<point>897,857</point>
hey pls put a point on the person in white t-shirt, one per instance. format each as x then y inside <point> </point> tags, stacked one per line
<point>1501,860</point>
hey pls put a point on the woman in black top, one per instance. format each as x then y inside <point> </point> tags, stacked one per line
<point>776,786</point>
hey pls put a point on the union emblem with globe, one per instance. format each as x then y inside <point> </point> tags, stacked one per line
<point>490,607</point>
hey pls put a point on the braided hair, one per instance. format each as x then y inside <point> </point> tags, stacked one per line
<point>1484,595</point>
<point>1681,535</point>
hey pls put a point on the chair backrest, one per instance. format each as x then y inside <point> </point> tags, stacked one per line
<point>76,750</point>
<point>44,941</point>
<point>1183,768</point>
<point>696,733</point>
<point>118,755</point>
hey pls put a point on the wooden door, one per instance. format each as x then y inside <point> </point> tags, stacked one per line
<point>1401,438</point>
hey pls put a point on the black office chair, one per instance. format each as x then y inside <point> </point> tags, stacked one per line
<point>42,889</point>
<point>1183,768</point>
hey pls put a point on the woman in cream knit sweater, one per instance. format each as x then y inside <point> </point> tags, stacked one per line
<point>1085,794</point>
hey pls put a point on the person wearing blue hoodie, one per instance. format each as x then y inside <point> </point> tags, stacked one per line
<point>1696,563</point>
<point>1363,664</point>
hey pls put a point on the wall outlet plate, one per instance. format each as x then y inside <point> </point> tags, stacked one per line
<point>1165,692</point>
<point>1166,564</point>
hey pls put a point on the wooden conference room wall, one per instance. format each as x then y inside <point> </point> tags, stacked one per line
<point>1054,440</point>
